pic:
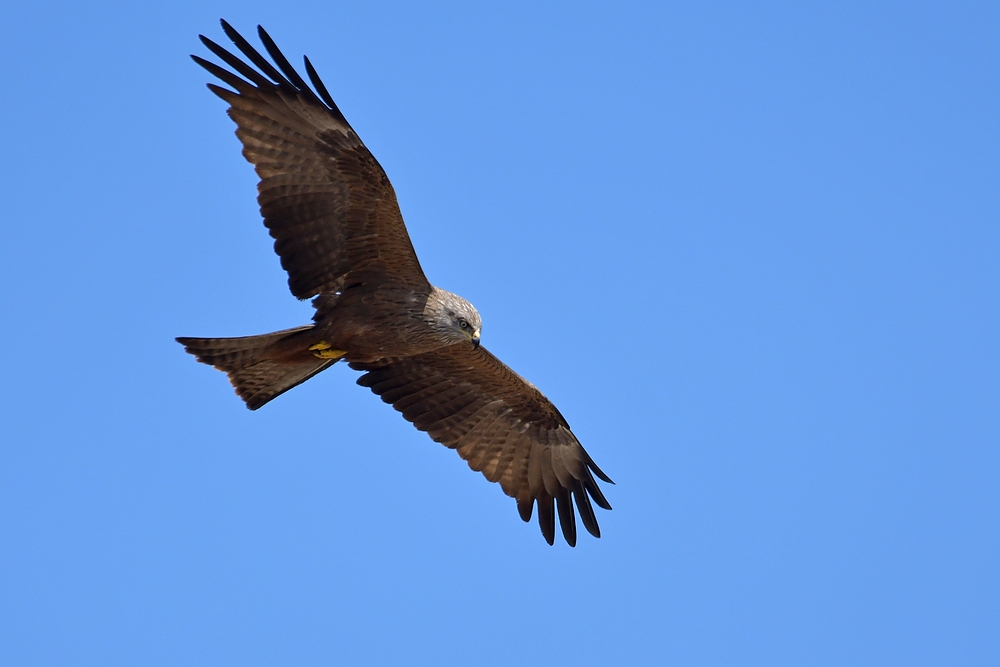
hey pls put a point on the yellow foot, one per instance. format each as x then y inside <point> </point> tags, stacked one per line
<point>323,350</point>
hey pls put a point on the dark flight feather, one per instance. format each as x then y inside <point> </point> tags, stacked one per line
<point>321,89</point>
<point>241,67</point>
<point>254,55</point>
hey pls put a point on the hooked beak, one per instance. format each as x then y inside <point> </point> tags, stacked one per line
<point>475,338</point>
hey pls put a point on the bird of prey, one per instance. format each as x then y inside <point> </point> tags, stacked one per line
<point>340,235</point>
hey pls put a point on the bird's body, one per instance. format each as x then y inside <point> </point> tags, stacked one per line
<point>340,236</point>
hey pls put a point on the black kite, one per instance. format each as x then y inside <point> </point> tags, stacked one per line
<point>340,236</point>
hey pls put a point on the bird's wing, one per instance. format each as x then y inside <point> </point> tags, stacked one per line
<point>326,201</point>
<point>467,399</point>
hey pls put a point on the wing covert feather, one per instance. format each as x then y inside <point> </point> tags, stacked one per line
<point>468,400</point>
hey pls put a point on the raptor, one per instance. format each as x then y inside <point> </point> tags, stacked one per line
<point>339,233</point>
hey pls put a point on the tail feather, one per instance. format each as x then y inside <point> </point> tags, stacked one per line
<point>265,380</point>
<point>257,368</point>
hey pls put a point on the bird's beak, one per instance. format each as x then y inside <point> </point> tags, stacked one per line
<point>475,338</point>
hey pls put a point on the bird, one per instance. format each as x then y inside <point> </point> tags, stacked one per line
<point>340,236</point>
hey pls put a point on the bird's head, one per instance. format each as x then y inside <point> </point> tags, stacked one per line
<point>455,318</point>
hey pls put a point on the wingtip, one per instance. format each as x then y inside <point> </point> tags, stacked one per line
<point>567,517</point>
<point>600,473</point>
<point>524,509</point>
<point>228,29</point>
<point>231,33</point>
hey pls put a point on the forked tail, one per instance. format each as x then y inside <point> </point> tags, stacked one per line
<point>260,367</point>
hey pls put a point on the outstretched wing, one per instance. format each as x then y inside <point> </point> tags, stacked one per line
<point>325,199</point>
<point>467,399</point>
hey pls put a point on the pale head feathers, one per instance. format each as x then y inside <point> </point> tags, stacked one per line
<point>453,318</point>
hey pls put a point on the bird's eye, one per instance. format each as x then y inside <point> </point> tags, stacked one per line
<point>463,324</point>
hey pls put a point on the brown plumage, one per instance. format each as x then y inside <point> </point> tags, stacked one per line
<point>340,236</point>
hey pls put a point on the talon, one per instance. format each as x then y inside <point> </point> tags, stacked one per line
<point>322,345</point>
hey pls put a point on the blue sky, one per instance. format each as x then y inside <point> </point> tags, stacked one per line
<point>751,252</point>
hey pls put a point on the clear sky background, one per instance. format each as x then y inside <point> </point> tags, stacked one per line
<point>751,252</point>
